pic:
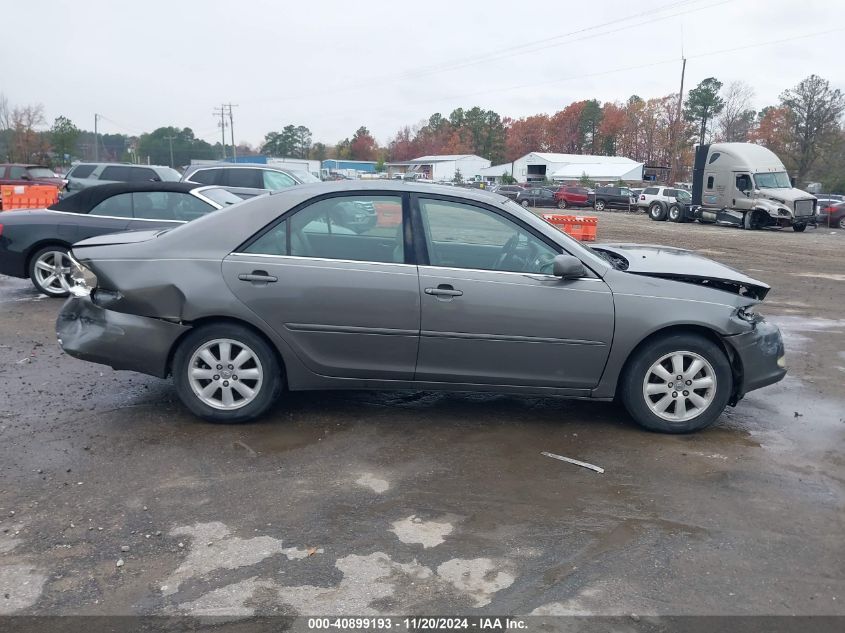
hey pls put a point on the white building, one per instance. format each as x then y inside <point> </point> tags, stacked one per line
<point>538,166</point>
<point>439,168</point>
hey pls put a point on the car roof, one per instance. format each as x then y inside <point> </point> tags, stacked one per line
<point>90,197</point>
<point>120,165</point>
<point>23,165</point>
<point>190,169</point>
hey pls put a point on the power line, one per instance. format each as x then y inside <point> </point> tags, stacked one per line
<point>526,48</point>
<point>221,112</point>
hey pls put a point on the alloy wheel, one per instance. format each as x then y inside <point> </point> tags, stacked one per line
<point>679,386</point>
<point>225,374</point>
<point>52,269</point>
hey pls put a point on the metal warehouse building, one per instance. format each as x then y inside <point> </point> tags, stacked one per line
<point>440,168</point>
<point>539,166</point>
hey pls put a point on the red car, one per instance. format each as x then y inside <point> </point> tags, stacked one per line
<point>573,197</point>
<point>23,174</point>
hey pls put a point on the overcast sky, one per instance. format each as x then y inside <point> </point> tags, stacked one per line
<point>336,65</point>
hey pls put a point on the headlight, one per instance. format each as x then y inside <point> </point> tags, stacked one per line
<point>83,281</point>
<point>748,314</point>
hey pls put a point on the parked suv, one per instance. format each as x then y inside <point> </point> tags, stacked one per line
<point>84,175</point>
<point>613,198</point>
<point>536,197</point>
<point>247,181</point>
<point>658,200</point>
<point>573,197</point>
<point>22,174</point>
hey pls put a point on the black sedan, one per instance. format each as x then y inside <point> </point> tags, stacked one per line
<point>832,214</point>
<point>537,197</point>
<point>34,242</point>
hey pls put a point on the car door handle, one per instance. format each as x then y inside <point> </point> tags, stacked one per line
<point>444,290</point>
<point>258,276</point>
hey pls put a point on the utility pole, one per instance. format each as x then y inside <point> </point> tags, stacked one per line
<point>170,141</point>
<point>675,167</point>
<point>221,112</point>
<point>96,139</point>
<point>232,130</point>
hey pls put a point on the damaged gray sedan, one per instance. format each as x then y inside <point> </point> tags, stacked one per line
<point>406,286</point>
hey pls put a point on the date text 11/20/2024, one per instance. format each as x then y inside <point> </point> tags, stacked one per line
<point>418,623</point>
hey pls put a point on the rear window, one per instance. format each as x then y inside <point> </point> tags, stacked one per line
<point>40,172</point>
<point>81,171</point>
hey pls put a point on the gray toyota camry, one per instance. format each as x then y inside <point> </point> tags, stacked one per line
<point>377,285</point>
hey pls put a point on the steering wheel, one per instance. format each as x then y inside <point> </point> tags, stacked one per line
<point>507,251</point>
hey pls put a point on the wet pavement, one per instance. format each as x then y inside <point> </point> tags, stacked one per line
<point>115,500</point>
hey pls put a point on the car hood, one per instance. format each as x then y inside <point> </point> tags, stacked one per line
<point>686,266</point>
<point>127,237</point>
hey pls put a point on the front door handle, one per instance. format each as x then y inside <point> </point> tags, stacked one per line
<point>258,276</point>
<point>444,290</point>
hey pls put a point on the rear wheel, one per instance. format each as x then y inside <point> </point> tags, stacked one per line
<point>657,212</point>
<point>799,228</point>
<point>599,205</point>
<point>226,373</point>
<point>676,213</point>
<point>677,384</point>
<point>49,271</point>
<point>841,223</point>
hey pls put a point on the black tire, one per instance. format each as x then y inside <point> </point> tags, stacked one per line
<point>676,213</point>
<point>657,212</point>
<point>268,391</point>
<point>599,205</point>
<point>33,275</point>
<point>748,222</point>
<point>632,389</point>
<point>841,223</point>
<point>561,204</point>
<point>799,228</point>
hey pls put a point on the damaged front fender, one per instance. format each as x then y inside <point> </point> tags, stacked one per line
<point>121,341</point>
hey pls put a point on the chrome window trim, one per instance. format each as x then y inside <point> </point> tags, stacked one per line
<point>322,259</point>
<point>114,217</point>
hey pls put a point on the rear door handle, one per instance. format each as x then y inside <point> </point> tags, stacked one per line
<point>258,276</point>
<point>444,290</point>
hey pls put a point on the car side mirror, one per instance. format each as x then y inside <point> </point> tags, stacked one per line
<point>568,267</point>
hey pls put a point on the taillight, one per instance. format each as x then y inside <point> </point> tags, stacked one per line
<point>1,229</point>
<point>826,210</point>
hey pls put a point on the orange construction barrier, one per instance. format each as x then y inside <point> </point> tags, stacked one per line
<point>581,227</point>
<point>27,196</point>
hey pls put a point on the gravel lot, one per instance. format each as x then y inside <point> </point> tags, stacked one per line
<point>114,500</point>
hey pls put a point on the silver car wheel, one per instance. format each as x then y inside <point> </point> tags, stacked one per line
<point>599,206</point>
<point>679,386</point>
<point>225,374</point>
<point>52,270</point>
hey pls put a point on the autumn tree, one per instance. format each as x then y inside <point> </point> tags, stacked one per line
<point>530,134</point>
<point>589,126</point>
<point>27,143</point>
<point>702,104</point>
<point>815,110</point>
<point>737,117</point>
<point>611,128</point>
<point>565,129</point>
<point>362,146</point>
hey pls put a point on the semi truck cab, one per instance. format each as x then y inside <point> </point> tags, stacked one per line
<point>747,185</point>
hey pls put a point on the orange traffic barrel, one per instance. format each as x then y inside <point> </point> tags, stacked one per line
<point>581,227</point>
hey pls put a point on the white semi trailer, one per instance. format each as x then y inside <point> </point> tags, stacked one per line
<point>745,185</point>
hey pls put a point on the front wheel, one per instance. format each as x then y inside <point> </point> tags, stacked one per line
<point>561,204</point>
<point>226,373</point>
<point>49,271</point>
<point>525,203</point>
<point>599,205</point>
<point>799,228</point>
<point>677,384</point>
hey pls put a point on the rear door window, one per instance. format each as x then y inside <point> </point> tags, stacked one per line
<point>244,177</point>
<point>142,174</point>
<point>119,173</point>
<point>276,180</point>
<point>206,176</point>
<point>168,205</point>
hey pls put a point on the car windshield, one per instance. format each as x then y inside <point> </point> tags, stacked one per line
<point>220,196</point>
<point>773,180</point>
<point>40,172</point>
<point>304,176</point>
<point>168,174</point>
